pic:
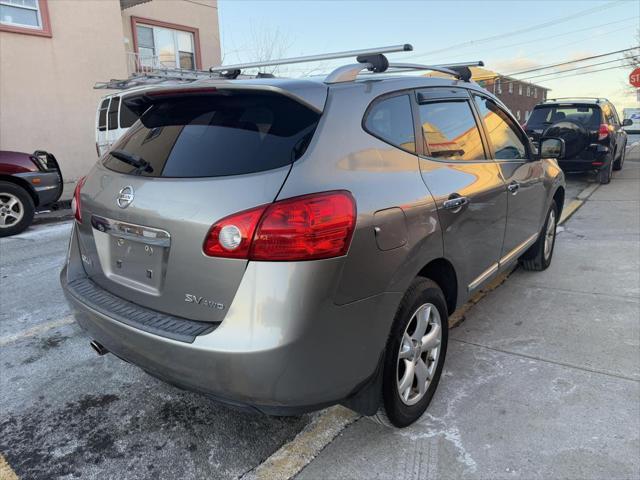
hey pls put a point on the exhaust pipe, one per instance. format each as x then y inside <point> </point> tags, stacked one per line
<point>99,349</point>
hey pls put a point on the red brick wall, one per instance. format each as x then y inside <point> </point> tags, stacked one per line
<point>516,99</point>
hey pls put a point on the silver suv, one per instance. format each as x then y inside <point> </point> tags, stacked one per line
<point>285,245</point>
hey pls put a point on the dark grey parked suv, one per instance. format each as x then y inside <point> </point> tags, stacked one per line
<point>292,244</point>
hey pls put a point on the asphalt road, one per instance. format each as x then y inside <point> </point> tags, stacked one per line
<point>69,413</point>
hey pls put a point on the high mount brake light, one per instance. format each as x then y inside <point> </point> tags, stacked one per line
<point>310,227</point>
<point>75,201</point>
<point>181,91</point>
<point>603,131</point>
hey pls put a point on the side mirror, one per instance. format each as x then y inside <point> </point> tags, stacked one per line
<point>627,122</point>
<point>551,148</point>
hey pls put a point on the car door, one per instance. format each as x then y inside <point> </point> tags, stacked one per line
<point>522,173</point>
<point>465,183</point>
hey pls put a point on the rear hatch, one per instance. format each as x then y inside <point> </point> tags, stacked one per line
<point>200,155</point>
<point>576,124</point>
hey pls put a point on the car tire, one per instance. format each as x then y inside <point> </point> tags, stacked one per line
<point>604,175</point>
<point>407,360</point>
<point>617,165</point>
<point>539,255</point>
<point>16,209</point>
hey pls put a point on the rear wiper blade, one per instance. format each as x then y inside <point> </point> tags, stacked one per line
<point>134,160</point>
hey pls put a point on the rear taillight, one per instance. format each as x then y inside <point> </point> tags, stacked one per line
<point>75,201</point>
<point>302,228</point>
<point>603,131</point>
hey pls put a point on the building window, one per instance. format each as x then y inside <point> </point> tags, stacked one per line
<point>498,86</point>
<point>25,16</point>
<point>520,89</point>
<point>528,90</point>
<point>535,92</point>
<point>510,87</point>
<point>164,45</point>
<point>518,114</point>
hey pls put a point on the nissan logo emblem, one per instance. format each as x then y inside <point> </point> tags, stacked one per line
<point>125,197</point>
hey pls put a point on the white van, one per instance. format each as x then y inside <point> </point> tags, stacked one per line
<point>113,118</point>
<point>634,115</point>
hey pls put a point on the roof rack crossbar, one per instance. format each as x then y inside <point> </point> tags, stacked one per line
<point>314,58</point>
<point>348,73</point>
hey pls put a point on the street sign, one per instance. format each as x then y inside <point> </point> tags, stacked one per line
<point>634,78</point>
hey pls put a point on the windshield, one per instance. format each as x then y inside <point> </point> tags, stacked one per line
<point>544,116</point>
<point>216,135</point>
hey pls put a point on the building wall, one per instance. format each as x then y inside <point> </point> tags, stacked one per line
<point>516,101</point>
<point>47,100</point>
<point>202,15</point>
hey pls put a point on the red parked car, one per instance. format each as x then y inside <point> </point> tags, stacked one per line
<point>28,182</point>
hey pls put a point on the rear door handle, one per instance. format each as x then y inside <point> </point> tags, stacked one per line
<point>455,203</point>
<point>513,187</point>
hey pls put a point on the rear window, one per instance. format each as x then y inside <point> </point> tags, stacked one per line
<point>217,135</point>
<point>127,117</point>
<point>102,115</point>
<point>113,113</point>
<point>544,116</point>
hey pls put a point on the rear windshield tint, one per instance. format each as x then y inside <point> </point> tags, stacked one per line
<point>217,135</point>
<point>127,117</point>
<point>545,116</point>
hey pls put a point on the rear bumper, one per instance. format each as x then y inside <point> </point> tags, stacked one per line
<point>283,348</point>
<point>594,159</point>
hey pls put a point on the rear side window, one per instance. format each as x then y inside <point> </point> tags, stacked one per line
<point>127,117</point>
<point>450,131</point>
<point>547,115</point>
<point>390,119</point>
<point>112,116</point>
<point>198,135</point>
<point>505,137</point>
<point>102,115</point>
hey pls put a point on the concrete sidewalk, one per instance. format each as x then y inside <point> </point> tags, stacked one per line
<point>542,380</point>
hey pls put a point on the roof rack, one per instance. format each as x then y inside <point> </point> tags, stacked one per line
<point>231,71</point>
<point>371,59</point>
<point>597,99</point>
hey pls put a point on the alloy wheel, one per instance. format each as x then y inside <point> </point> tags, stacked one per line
<point>419,352</point>
<point>11,210</point>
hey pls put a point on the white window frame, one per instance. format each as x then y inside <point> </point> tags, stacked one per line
<point>535,92</point>
<point>498,86</point>
<point>510,87</point>
<point>10,3</point>
<point>519,89</point>
<point>518,114</point>
<point>528,90</point>
<point>174,31</point>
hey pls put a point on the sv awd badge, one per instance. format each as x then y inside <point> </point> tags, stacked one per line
<point>189,298</point>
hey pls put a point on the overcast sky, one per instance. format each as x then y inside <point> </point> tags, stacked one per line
<point>533,33</point>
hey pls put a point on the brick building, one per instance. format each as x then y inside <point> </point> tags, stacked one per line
<point>518,95</point>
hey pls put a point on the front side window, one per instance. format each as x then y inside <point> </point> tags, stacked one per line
<point>503,134</point>
<point>160,47</point>
<point>21,13</point>
<point>450,131</point>
<point>390,119</point>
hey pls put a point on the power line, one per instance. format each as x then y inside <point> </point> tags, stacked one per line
<point>572,61</point>
<point>584,73</point>
<point>518,32</point>
<point>577,68</point>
